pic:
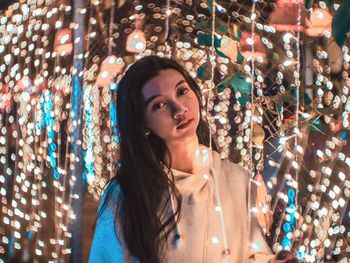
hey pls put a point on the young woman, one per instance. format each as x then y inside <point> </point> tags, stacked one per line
<point>173,199</point>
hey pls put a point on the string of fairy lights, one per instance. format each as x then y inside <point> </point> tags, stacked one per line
<point>277,101</point>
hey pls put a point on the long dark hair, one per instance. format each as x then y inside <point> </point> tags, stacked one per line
<point>145,185</point>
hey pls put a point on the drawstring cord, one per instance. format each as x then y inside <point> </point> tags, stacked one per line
<point>218,208</point>
<point>177,227</point>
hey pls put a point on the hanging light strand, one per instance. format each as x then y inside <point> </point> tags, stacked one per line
<point>212,61</point>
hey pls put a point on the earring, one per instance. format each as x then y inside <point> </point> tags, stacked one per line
<point>147,133</point>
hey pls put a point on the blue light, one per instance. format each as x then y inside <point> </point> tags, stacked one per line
<point>114,86</point>
<point>286,227</point>
<point>88,172</point>
<point>289,225</point>
<point>48,123</point>
<point>286,243</point>
<point>291,195</point>
<point>29,235</point>
<point>300,255</point>
<point>344,135</point>
<point>114,122</point>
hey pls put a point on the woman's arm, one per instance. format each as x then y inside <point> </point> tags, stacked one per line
<point>259,251</point>
<point>106,245</point>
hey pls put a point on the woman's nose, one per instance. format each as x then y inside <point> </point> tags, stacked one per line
<point>178,109</point>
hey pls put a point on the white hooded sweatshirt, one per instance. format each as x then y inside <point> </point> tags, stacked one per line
<point>213,225</point>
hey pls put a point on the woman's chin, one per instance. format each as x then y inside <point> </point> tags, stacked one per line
<point>184,134</point>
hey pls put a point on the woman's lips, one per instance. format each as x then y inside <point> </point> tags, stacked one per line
<point>185,125</point>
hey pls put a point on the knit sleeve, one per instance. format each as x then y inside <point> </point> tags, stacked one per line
<point>259,251</point>
<point>106,246</point>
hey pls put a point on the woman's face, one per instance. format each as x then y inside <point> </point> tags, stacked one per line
<point>172,109</point>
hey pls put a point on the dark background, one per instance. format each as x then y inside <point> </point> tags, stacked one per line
<point>5,3</point>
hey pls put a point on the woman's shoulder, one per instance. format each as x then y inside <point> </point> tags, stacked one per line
<point>234,167</point>
<point>110,197</point>
<point>106,245</point>
<point>235,173</point>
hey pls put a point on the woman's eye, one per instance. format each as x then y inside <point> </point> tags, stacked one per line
<point>182,91</point>
<point>157,106</point>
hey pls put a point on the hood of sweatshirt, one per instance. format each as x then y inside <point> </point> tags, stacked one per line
<point>194,187</point>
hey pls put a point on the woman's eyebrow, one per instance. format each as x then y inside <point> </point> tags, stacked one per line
<point>150,99</point>
<point>180,82</point>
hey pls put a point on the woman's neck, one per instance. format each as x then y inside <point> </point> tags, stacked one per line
<point>187,156</point>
